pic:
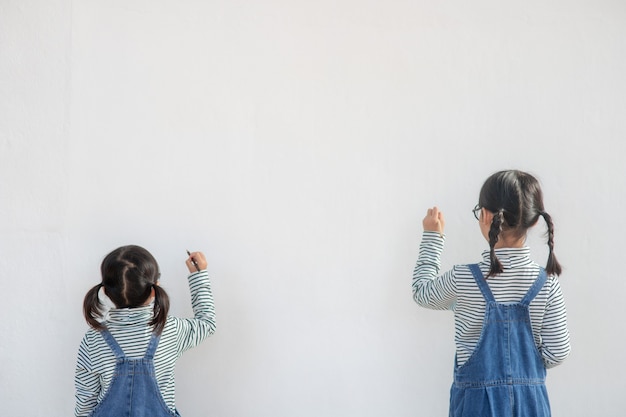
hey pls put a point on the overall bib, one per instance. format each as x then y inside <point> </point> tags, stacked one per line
<point>505,376</point>
<point>134,391</point>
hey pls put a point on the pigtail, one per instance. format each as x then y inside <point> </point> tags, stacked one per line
<point>92,308</point>
<point>552,267</point>
<point>161,308</point>
<point>494,234</point>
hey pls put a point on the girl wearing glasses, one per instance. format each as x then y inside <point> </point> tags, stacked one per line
<point>510,319</point>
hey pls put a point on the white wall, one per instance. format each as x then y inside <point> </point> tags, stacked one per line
<point>299,144</point>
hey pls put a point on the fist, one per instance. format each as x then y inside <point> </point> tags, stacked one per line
<point>434,221</point>
<point>199,259</point>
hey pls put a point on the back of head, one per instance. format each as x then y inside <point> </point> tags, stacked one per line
<point>516,199</point>
<point>517,195</point>
<point>130,274</point>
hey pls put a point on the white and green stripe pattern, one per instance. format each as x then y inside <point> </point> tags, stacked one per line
<point>457,290</point>
<point>129,327</point>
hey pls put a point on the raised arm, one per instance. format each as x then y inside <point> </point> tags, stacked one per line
<point>194,330</point>
<point>429,290</point>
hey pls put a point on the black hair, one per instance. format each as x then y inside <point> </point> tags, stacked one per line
<point>516,201</point>
<point>129,274</point>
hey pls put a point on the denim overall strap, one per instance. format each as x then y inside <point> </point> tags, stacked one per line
<point>482,282</point>
<point>108,337</point>
<point>152,345</point>
<point>535,288</point>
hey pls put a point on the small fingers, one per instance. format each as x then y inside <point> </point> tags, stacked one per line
<point>197,260</point>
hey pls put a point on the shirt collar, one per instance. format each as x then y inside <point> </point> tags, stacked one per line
<point>511,257</point>
<point>136,315</point>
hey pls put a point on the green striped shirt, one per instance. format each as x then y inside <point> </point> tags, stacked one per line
<point>129,327</point>
<point>456,290</point>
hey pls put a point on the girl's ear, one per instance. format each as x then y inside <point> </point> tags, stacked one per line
<point>486,217</point>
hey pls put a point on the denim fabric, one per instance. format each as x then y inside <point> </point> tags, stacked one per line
<point>134,391</point>
<point>505,376</point>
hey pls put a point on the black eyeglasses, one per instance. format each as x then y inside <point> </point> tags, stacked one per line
<point>476,211</point>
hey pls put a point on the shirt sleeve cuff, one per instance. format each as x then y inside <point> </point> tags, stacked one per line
<point>428,235</point>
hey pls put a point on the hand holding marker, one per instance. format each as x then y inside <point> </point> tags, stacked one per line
<point>193,261</point>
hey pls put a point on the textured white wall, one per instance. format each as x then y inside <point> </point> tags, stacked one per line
<point>298,144</point>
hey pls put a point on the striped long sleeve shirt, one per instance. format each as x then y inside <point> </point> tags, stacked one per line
<point>456,290</point>
<point>130,328</point>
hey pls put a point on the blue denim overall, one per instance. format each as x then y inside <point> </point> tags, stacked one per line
<point>134,391</point>
<point>505,375</point>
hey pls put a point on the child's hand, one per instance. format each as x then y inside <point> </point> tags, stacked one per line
<point>200,260</point>
<point>434,221</point>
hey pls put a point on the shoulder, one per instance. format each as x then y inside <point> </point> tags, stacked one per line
<point>91,337</point>
<point>553,287</point>
<point>464,271</point>
<point>464,278</point>
<point>90,346</point>
<point>172,326</point>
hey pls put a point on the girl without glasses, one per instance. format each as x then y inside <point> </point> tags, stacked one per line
<point>137,345</point>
